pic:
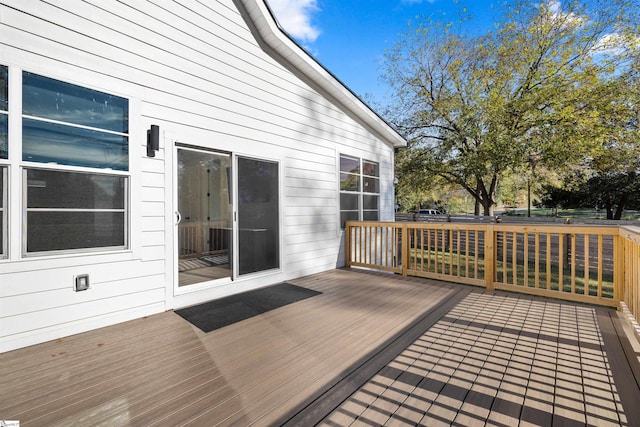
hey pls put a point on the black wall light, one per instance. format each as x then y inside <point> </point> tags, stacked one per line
<point>153,140</point>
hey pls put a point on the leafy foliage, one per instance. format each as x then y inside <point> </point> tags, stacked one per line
<point>540,92</point>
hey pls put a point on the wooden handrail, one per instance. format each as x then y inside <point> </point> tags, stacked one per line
<point>629,274</point>
<point>597,264</point>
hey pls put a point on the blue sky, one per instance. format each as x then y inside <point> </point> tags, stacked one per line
<point>349,37</point>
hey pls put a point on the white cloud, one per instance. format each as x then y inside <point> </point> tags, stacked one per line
<point>295,17</point>
<point>615,44</point>
<point>608,44</point>
<point>554,6</point>
<point>570,19</point>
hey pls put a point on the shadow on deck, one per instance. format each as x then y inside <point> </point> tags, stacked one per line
<point>373,349</point>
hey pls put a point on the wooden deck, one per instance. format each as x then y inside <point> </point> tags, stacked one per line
<point>373,349</point>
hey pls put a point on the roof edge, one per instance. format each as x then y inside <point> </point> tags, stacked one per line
<point>274,36</point>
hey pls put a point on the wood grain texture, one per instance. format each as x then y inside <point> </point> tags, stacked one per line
<point>481,355</point>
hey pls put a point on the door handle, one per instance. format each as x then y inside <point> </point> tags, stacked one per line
<point>178,218</point>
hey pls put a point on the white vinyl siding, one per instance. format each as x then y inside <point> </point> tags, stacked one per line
<point>195,70</point>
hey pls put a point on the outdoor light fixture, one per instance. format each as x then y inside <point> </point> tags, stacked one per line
<point>82,282</point>
<point>153,140</point>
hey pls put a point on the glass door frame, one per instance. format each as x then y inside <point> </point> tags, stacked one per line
<point>178,290</point>
<point>235,276</point>
<point>236,199</point>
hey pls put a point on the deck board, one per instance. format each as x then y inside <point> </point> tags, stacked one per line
<point>372,349</point>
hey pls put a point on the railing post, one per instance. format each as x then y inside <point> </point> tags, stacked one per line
<point>404,256</point>
<point>489,256</point>
<point>618,268</point>
<point>347,239</point>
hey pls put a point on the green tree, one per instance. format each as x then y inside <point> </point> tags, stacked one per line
<point>525,95</point>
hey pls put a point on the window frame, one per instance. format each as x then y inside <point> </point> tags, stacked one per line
<point>21,167</point>
<point>126,209</point>
<point>4,241</point>
<point>3,112</point>
<point>361,193</point>
<point>4,173</point>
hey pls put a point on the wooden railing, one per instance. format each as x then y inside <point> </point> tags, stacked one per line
<point>202,237</point>
<point>630,303</point>
<point>583,263</point>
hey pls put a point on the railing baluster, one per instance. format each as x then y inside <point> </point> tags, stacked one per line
<point>537,260</point>
<point>402,248</point>
<point>573,263</point>
<point>466,254</point>
<point>548,260</point>
<point>489,257</point>
<point>476,254</point>
<point>430,252</point>
<point>451,252</point>
<point>526,259</point>
<point>443,248</point>
<point>586,264</point>
<point>600,264</point>
<point>504,256</point>
<point>514,258</point>
<point>437,262</point>
<point>560,261</point>
<point>415,249</point>
<point>458,252</point>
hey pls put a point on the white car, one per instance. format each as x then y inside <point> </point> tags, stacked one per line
<point>429,212</point>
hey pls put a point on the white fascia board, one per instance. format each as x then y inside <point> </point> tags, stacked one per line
<point>273,35</point>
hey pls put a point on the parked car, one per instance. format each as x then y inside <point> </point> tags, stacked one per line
<point>429,212</point>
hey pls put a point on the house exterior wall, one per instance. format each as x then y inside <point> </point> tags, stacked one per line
<point>195,70</point>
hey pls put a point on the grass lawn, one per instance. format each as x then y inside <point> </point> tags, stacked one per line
<point>464,265</point>
<point>583,213</point>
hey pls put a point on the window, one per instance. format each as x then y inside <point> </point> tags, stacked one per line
<point>3,216</point>
<point>4,112</point>
<point>66,127</point>
<point>72,210</point>
<point>70,125</point>
<point>359,189</point>
<point>4,154</point>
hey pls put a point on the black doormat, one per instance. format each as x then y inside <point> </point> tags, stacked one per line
<point>226,311</point>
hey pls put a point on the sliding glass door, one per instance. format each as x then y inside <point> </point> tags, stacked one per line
<point>258,216</point>
<point>215,236</point>
<point>205,212</point>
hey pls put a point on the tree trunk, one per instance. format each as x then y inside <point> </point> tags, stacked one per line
<point>620,208</point>
<point>476,208</point>
<point>486,205</point>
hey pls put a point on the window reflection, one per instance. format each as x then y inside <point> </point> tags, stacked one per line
<point>349,182</point>
<point>56,100</point>
<point>54,231</point>
<point>370,168</point>
<point>66,124</point>
<point>4,88</point>
<point>73,210</point>
<point>359,191</point>
<point>205,231</point>
<point>4,134</point>
<point>66,145</point>
<point>71,190</point>
<point>349,164</point>
<point>4,107</point>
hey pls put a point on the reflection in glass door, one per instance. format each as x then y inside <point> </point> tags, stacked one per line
<point>258,216</point>
<point>205,216</point>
